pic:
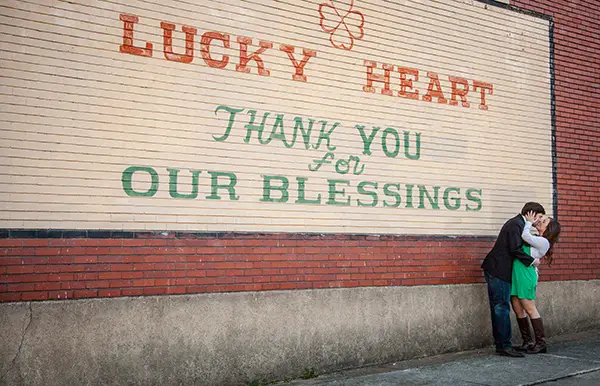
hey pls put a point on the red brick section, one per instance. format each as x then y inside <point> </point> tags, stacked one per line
<point>577,80</point>
<point>40,269</point>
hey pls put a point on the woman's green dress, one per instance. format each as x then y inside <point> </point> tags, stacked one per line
<point>524,279</point>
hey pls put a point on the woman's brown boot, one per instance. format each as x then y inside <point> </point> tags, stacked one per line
<point>525,334</point>
<point>540,337</point>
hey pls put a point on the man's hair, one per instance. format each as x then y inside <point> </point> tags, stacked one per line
<point>533,207</point>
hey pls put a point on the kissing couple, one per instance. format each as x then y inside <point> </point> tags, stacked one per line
<point>511,273</point>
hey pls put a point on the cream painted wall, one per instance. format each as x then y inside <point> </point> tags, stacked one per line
<point>76,113</point>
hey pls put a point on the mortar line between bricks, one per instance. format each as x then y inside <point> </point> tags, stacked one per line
<point>562,377</point>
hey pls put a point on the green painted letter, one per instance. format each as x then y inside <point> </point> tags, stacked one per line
<point>389,193</point>
<point>447,199</point>
<point>279,132</point>
<point>305,133</point>
<point>232,113</point>
<point>373,194</point>
<point>409,197</point>
<point>433,201</point>
<point>302,193</point>
<point>326,136</point>
<point>333,192</point>
<point>475,199</point>
<point>173,184</point>
<point>250,127</point>
<point>406,145</point>
<point>214,186</point>
<point>127,185</point>
<point>394,133</point>
<point>367,141</point>
<point>267,189</point>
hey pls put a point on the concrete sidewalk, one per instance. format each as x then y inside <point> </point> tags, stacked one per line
<point>571,360</point>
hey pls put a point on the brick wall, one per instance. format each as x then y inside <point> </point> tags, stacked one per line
<point>152,264</point>
<point>36,267</point>
<point>577,82</point>
<point>58,268</point>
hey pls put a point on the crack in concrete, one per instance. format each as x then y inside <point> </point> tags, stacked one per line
<point>565,357</point>
<point>12,363</point>
<point>582,372</point>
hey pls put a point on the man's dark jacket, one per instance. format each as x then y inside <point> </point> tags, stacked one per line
<point>509,246</point>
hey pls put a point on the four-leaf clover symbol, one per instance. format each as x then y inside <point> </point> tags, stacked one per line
<point>343,24</point>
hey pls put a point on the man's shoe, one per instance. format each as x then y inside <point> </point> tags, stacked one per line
<point>525,347</point>
<point>510,352</point>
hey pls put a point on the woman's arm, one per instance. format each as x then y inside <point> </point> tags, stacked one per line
<point>537,242</point>
<point>515,244</point>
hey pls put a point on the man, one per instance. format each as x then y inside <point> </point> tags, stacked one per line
<point>497,268</point>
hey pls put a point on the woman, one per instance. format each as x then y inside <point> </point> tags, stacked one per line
<point>524,280</point>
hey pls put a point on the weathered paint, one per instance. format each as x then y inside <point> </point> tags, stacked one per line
<point>410,117</point>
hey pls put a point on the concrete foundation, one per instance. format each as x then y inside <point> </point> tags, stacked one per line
<point>235,338</point>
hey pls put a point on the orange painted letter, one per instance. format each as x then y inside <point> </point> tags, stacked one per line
<point>127,46</point>
<point>207,38</point>
<point>245,58</point>
<point>484,86</point>
<point>168,29</point>
<point>299,75</point>
<point>461,93</point>
<point>408,83</point>
<point>385,78</point>
<point>431,93</point>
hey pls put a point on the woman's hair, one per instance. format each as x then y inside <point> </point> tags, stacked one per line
<point>551,234</point>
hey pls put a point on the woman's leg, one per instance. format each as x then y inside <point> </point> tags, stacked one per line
<point>538,327</point>
<point>540,337</point>
<point>523,323</point>
<point>530,308</point>
<point>517,307</point>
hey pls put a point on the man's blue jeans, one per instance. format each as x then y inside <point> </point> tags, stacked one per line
<point>499,294</point>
